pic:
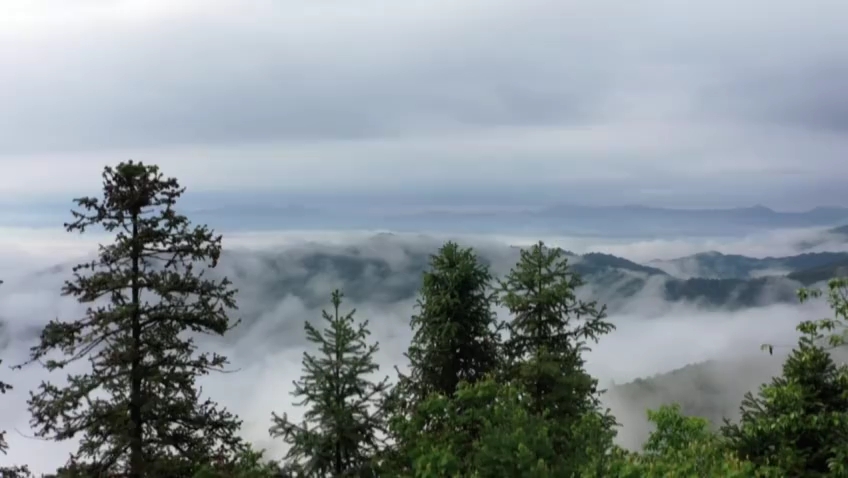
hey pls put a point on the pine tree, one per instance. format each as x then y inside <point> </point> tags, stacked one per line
<point>548,332</point>
<point>139,410</point>
<point>456,334</point>
<point>342,424</point>
<point>456,340</point>
<point>491,435</point>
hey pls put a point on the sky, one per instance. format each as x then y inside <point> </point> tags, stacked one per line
<point>710,103</point>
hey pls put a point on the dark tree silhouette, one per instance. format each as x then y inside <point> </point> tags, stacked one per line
<point>139,410</point>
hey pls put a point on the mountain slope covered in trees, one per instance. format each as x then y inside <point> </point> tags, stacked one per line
<point>715,265</point>
<point>387,268</point>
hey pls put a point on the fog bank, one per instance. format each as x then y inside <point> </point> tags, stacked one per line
<point>279,291</point>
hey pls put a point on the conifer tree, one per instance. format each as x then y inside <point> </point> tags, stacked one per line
<point>456,335</point>
<point>456,339</point>
<point>340,434</point>
<point>548,333</point>
<point>491,435</point>
<point>138,411</point>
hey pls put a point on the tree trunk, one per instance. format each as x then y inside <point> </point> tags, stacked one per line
<point>136,452</point>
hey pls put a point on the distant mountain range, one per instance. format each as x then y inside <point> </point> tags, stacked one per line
<point>745,282</point>
<point>709,279</point>
<point>610,279</point>
<point>715,265</point>
<point>566,219</point>
<point>563,219</point>
<point>806,268</point>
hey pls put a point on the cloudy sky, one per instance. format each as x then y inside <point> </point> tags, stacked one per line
<point>713,102</point>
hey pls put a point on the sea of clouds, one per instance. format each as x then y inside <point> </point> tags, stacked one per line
<point>652,337</point>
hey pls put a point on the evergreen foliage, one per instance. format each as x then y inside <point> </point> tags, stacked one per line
<point>138,411</point>
<point>548,334</point>
<point>248,464</point>
<point>455,340</point>
<point>507,439</point>
<point>455,333</point>
<point>340,433</point>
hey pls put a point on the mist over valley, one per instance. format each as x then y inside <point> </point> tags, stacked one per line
<point>689,328</point>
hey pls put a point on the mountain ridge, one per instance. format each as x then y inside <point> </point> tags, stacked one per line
<point>716,265</point>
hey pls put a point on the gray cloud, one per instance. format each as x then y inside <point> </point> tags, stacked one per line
<point>809,97</point>
<point>704,96</point>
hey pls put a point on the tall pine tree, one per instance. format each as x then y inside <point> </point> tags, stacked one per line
<point>343,421</point>
<point>456,336</point>
<point>548,333</point>
<point>139,411</point>
<point>456,339</point>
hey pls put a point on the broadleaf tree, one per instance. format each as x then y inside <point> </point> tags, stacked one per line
<point>798,423</point>
<point>139,410</point>
<point>681,446</point>
<point>343,423</point>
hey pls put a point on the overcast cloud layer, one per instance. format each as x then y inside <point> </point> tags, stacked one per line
<point>611,101</point>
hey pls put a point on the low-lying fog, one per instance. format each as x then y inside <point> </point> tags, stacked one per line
<point>651,337</point>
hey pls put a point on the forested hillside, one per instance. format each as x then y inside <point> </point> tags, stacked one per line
<point>484,395</point>
<point>715,265</point>
<point>608,278</point>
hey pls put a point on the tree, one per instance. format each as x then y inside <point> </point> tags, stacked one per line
<point>455,332</point>
<point>681,446</point>
<point>249,464</point>
<point>455,337</point>
<point>139,410</point>
<point>340,432</point>
<point>508,439</point>
<point>547,336</point>
<point>798,423</point>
